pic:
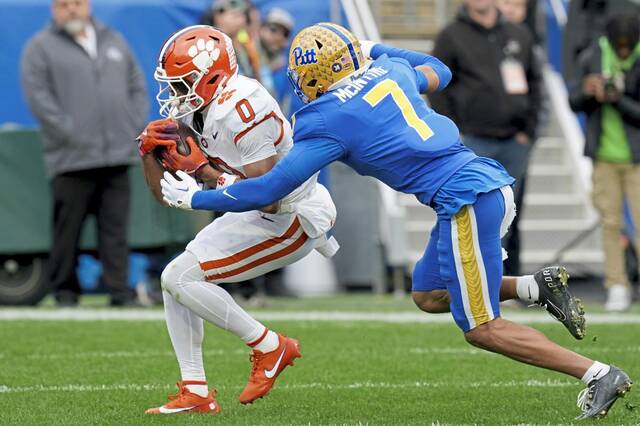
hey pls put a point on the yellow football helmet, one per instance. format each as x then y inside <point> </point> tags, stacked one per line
<point>320,56</point>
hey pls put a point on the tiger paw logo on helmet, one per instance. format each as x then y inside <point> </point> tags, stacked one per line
<point>322,55</point>
<point>204,53</point>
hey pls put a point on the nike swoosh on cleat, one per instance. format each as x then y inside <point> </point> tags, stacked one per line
<point>165,410</point>
<point>270,373</point>
<point>228,195</point>
<point>558,311</point>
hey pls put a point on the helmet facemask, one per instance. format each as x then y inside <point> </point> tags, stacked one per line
<point>177,95</point>
<point>295,80</point>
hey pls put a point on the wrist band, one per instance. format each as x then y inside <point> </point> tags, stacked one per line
<point>225,180</point>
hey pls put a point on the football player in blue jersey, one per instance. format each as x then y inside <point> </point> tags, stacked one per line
<point>365,109</point>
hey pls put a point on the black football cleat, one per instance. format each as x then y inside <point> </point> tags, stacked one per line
<point>555,297</point>
<point>596,400</point>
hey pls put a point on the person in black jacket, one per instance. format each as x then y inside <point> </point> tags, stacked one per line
<point>494,95</point>
<point>607,88</point>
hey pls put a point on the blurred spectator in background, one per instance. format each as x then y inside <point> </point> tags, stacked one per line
<point>274,40</point>
<point>494,96</point>
<point>88,94</point>
<point>585,23</point>
<point>514,11</point>
<point>520,12</point>
<point>607,88</point>
<point>536,20</point>
<point>254,19</point>
<point>529,13</point>
<point>233,18</point>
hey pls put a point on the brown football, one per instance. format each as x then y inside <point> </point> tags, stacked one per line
<point>184,131</point>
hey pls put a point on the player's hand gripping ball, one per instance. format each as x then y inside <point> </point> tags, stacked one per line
<point>158,133</point>
<point>185,154</point>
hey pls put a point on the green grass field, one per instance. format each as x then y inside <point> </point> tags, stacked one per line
<point>364,372</point>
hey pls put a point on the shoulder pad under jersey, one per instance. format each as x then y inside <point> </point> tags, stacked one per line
<point>241,104</point>
<point>308,122</point>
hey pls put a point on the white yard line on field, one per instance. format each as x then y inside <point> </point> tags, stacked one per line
<point>432,351</point>
<point>384,317</point>
<point>306,386</point>
<point>123,354</point>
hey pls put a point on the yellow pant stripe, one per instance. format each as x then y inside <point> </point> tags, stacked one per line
<point>469,261</point>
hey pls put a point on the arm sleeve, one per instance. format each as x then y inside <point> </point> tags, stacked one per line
<point>416,59</point>
<point>37,86</point>
<point>306,158</point>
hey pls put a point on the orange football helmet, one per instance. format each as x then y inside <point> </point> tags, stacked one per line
<point>194,66</point>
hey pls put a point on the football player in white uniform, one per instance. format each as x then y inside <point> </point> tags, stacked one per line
<point>242,133</point>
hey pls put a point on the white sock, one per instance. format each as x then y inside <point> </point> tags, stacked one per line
<point>269,343</point>
<point>200,390</point>
<point>186,330</point>
<point>527,288</point>
<point>596,371</point>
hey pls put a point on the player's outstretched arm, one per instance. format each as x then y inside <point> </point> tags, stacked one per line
<point>436,74</point>
<point>305,159</point>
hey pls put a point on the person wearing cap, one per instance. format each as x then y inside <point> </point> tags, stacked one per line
<point>274,37</point>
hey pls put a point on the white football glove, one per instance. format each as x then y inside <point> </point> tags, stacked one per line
<point>178,193</point>
<point>366,46</point>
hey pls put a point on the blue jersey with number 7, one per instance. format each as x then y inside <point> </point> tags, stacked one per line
<point>390,133</point>
<point>379,125</point>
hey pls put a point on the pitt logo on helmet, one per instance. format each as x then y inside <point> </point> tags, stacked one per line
<point>309,57</point>
<point>321,56</point>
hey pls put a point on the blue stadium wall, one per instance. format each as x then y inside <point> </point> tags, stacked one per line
<point>144,23</point>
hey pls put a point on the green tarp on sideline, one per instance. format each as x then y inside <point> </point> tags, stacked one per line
<point>25,206</point>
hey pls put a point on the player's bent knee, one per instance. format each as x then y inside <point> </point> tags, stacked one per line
<point>169,278</point>
<point>176,273</point>
<point>483,335</point>
<point>433,302</point>
<point>424,304</point>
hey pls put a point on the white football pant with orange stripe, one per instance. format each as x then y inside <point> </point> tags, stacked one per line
<point>233,248</point>
<point>241,246</point>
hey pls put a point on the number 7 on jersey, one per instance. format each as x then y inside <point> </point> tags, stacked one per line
<point>390,87</point>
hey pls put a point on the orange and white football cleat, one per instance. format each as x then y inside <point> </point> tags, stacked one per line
<point>188,402</point>
<point>267,367</point>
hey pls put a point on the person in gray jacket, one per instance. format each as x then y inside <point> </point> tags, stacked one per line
<point>88,94</point>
